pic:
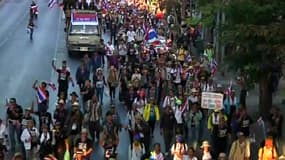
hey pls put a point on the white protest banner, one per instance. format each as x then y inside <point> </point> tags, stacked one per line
<point>212,100</point>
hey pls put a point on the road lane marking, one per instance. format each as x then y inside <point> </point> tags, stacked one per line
<point>56,43</point>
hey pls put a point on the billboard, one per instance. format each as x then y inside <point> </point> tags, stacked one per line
<point>211,100</point>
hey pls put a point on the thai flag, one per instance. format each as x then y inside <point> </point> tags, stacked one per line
<point>51,85</point>
<point>151,35</point>
<point>228,91</point>
<point>51,3</point>
<point>214,68</point>
<point>184,105</point>
<point>41,95</point>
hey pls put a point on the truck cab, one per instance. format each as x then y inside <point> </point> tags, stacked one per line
<point>84,32</point>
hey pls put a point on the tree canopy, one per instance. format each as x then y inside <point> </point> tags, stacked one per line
<point>256,31</point>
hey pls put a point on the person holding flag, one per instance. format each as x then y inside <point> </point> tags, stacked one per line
<point>42,95</point>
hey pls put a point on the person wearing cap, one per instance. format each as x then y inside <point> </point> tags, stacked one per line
<point>206,151</point>
<point>222,156</point>
<point>73,123</point>
<point>18,156</point>
<point>99,82</point>
<point>83,147</point>
<point>64,77</point>
<point>179,148</point>
<point>45,142</point>
<point>73,99</point>
<point>27,117</point>
<point>136,149</point>
<point>94,117</point>
<point>151,114</point>
<point>82,74</point>
<point>14,118</point>
<point>29,137</point>
<point>268,151</point>
<point>60,113</point>
<point>240,149</point>
<point>193,119</point>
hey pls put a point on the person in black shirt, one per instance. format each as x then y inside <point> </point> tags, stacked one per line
<point>63,78</point>
<point>244,122</point>
<point>83,146</point>
<point>167,124</point>
<point>87,92</point>
<point>14,118</point>
<point>44,119</point>
<point>60,114</point>
<point>221,134</point>
<point>43,105</point>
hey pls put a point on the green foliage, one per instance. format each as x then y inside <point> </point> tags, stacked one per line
<point>254,28</point>
<point>193,21</point>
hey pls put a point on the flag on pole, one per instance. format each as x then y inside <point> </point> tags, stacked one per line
<point>184,105</point>
<point>151,35</point>
<point>51,85</point>
<point>52,3</point>
<point>214,68</point>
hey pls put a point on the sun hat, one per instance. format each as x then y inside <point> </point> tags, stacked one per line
<point>205,144</point>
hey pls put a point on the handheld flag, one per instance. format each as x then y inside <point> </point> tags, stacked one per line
<point>151,35</point>
<point>51,85</point>
<point>52,3</point>
<point>41,95</point>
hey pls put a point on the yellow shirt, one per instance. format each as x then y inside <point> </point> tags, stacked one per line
<point>267,154</point>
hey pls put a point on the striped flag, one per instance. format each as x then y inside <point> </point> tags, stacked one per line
<point>51,85</point>
<point>41,95</point>
<point>52,3</point>
<point>184,105</point>
<point>214,68</point>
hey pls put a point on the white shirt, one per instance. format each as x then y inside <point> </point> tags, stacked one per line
<point>2,130</point>
<point>206,156</point>
<point>169,101</point>
<point>186,157</point>
<point>26,137</point>
<point>131,35</point>
<point>136,154</point>
<point>178,116</point>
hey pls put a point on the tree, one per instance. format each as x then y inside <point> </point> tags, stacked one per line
<point>255,30</point>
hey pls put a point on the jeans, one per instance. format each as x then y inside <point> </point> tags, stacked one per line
<point>193,136</point>
<point>13,129</point>
<point>99,94</point>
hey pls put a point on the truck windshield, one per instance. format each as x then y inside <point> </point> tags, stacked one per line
<point>84,29</point>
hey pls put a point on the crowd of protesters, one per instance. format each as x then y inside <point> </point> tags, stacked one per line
<point>158,84</point>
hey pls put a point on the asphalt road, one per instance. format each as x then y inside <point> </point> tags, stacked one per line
<point>23,61</point>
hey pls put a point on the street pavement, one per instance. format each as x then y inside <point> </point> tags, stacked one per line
<point>23,61</point>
